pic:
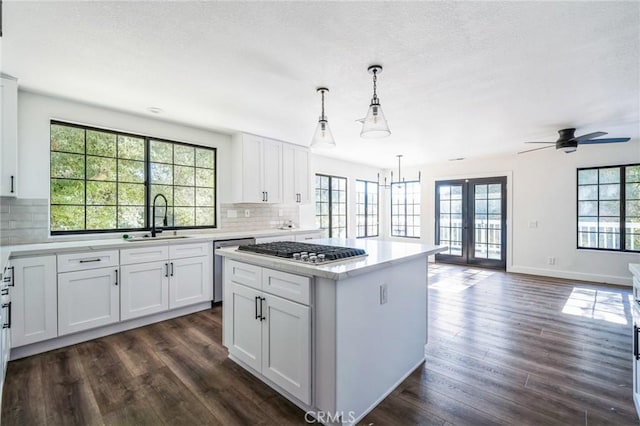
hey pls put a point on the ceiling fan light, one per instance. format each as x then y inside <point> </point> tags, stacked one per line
<point>569,149</point>
<point>375,124</point>
<point>323,138</point>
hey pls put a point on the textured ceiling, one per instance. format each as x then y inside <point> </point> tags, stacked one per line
<point>460,79</point>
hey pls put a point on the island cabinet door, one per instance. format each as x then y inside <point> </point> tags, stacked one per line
<point>286,345</point>
<point>245,339</point>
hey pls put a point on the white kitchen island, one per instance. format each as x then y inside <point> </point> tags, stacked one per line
<point>337,338</point>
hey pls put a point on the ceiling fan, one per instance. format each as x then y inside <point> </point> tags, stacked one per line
<point>568,142</point>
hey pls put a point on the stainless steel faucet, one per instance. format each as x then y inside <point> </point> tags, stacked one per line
<point>153,213</point>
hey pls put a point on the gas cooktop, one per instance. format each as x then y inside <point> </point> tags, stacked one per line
<point>304,252</point>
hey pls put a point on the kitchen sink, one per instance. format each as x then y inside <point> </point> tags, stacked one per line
<point>168,237</point>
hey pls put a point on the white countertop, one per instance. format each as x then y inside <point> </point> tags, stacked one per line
<point>381,254</point>
<point>635,269</point>
<point>117,243</point>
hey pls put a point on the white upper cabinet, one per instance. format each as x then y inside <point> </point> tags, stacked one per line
<point>257,169</point>
<point>295,174</point>
<point>9,135</point>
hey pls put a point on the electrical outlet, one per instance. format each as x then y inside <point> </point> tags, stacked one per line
<point>384,294</point>
<point>533,224</point>
<point>247,213</point>
<point>232,213</point>
<point>551,260</point>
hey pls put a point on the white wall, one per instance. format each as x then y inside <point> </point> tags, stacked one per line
<point>35,112</point>
<point>541,187</point>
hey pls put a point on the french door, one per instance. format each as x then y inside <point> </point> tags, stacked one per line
<point>471,218</point>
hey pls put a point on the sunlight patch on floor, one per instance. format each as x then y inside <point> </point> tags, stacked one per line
<point>453,279</point>
<point>596,304</point>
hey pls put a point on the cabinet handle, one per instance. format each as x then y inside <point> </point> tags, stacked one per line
<point>8,323</point>
<point>13,276</point>
<point>256,306</point>
<point>4,292</point>
<point>116,277</point>
<point>90,260</point>
<point>171,268</point>
<point>266,196</point>
<point>166,270</point>
<point>262,317</point>
<point>12,180</point>
<point>636,352</point>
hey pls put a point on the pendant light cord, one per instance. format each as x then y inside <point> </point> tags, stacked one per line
<point>375,80</point>
<point>322,95</point>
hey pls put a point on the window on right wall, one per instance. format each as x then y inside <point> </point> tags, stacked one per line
<point>609,208</point>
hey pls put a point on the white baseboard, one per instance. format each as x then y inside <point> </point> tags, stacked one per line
<point>573,275</point>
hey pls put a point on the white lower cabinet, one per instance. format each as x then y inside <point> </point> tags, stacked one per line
<point>88,299</point>
<point>190,281</point>
<point>144,289</point>
<point>34,297</point>
<point>270,334</point>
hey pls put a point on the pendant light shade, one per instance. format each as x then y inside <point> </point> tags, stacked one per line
<point>323,138</point>
<point>375,124</point>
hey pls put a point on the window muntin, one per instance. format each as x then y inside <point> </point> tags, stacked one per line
<point>99,180</point>
<point>405,209</point>
<point>609,208</point>
<point>331,204</point>
<point>366,209</point>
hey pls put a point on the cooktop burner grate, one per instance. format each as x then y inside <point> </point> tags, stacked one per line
<point>303,251</point>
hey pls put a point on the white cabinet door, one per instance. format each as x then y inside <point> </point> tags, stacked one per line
<point>272,170</point>
<point>88,299</point>
<point>286,346</point>
<point>144,289</point>
<point>301,179</point>
<point>34,300</point>
<point>8,136</point>
<point>245,335</point>
<point>247,179</point>
<point>289,194</point>
<point>190,281</point>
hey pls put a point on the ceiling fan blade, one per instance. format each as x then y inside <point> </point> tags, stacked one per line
<point>537,149</point>
<point>607,140</point>
<point>541,142</point>
<point>589,136</point>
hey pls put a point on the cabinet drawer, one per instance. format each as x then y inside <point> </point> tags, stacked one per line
<point>313,236</point>
<point>87,260</point>
<point>144,254</point>
<point>242,273</point>
<point>283,284</point>
<point>177,251</point>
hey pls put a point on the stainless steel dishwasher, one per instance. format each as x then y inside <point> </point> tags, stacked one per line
<point>217,263</point>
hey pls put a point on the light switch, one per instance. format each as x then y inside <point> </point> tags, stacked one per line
<point>533,224</point>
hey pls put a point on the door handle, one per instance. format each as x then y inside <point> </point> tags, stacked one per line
<point>12,180</point>
<point>262,317</point>
<point>8,323</point>
<point>116,277</point>
<point>256,306</point>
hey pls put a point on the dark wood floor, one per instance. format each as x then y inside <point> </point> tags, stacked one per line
<point>504,349</point>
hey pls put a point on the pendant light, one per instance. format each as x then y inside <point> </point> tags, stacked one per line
<point>323,138</point>
<point>375,124</point>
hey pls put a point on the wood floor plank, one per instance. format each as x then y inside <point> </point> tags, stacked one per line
<point>501,351</point>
